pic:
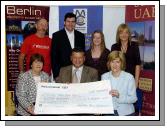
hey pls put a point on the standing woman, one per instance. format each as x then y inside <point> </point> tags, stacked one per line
<point>27,84</point>
<point>130,49</point>
<point>96,56</point>
<point>123,88</point>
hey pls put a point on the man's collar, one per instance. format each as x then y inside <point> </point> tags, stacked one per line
<point>80,68</point>
<point>69,31</point>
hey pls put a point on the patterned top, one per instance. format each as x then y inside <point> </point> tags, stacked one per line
<point>26,91</point>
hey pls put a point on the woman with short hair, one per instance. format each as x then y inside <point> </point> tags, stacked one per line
<point>27,85</point>
<point>123,89</point>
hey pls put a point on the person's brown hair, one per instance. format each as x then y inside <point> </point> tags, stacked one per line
<point>103,46</point>
<point>36,56</point>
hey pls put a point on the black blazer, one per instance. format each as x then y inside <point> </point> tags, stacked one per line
<point>132,56</point>
<point>61,49</point>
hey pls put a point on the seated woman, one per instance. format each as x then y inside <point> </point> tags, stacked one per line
<point>27,84</point>
<point>123,89</point>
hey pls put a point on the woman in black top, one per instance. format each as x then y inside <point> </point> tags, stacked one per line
<point>130,49</point>
<point>96,56</point>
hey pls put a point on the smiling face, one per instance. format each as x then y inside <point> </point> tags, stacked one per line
<point>115,65</point>
<point>42,26</point>
<point>69,24</point>
<point>37,66</point>
<point>77,58</point>
<point>124,35</point>
<point>97,40</point>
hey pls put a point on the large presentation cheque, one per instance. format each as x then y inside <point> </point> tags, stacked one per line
<point>57,98</point>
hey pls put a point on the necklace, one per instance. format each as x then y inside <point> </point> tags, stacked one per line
<point>123,49</point>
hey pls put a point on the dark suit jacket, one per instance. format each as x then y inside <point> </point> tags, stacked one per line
<point>88,74</point>
<point>61,49</point>
<point>132,56</point>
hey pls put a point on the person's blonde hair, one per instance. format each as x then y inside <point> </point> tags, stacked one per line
<point>114,55</point>
<point>120,28</point>
<point>103,46</point>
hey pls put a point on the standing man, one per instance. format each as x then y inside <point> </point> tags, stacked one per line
<point>36,43</point>
<point>63,42</point>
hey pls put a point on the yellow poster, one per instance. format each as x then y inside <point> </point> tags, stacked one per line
<point>145,84</point>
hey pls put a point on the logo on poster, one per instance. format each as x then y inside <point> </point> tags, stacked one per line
<point>81,23</point>
<point>80,14</point>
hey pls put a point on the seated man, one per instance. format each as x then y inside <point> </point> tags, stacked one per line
<point>77,72</point>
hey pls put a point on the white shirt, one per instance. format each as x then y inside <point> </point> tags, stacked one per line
<point>37,80</point>
<point>70,37</point>
<point>79,72</point>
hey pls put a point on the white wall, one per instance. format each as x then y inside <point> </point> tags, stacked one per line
<point>112,17</point>
<point>53,20</point>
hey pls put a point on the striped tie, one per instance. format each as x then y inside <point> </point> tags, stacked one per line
<point>74,77</point>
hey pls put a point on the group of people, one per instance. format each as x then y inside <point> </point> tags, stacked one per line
<point>65,57</point>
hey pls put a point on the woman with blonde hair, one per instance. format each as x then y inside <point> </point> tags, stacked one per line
<point>96,56</point>
<point>123,88</point>
<point>130,49</point>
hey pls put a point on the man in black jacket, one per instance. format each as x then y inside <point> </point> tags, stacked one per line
<point>63,42</point>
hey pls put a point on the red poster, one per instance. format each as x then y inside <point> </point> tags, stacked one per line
<point>148,105</point>
<point>141,21</point>
<point>20,22</point>
<point>139,13</point>
<point>25,12</point>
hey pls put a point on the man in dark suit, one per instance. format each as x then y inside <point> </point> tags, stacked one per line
<point>62,43</point>
<point>77,72</point>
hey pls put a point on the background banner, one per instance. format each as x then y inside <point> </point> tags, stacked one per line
<point>20,22</point>
<point>140,12</point>
<point>89,18</point>
<point>141,20</point>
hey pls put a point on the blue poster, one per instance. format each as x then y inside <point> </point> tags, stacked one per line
<point>89,19</point>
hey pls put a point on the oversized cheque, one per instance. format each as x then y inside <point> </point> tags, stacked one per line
<point>57,98</point>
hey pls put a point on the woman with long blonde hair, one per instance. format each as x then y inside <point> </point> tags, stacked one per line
<point>130,49</point>
<point>96,56</point>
